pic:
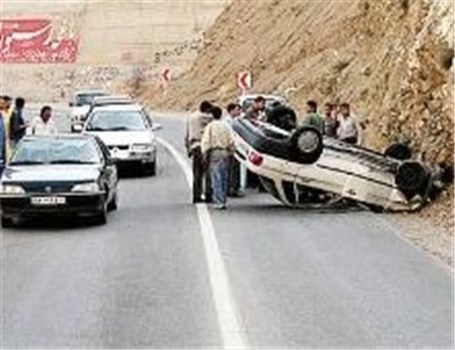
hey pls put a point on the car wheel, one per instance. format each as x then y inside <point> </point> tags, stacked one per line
<point>150,168</point>
<point>412,178</point>
<point>7,222</point>
<point>306,144</point>
<point>113,203</point>
<point>399,151</point>
<point>101,217</point>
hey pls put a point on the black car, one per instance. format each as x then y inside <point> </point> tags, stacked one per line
<point>62,175</point>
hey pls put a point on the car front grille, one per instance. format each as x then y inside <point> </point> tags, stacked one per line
<point>47,187</point>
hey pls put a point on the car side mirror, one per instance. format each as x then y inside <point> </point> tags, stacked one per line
<point>77,128</point>
<point>156,127</point>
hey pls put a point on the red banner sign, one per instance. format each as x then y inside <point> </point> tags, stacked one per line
<point>31,41</point>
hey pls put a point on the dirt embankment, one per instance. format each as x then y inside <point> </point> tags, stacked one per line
<point>392,60</point>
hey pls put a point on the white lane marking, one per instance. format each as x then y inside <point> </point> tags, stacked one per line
<point>233,334</point>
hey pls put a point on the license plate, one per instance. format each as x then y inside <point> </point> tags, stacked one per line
<point>48,200</point>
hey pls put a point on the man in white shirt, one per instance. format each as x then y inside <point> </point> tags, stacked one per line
<point>43,125</point>
<point>348,130</point>
<point>216,145</point>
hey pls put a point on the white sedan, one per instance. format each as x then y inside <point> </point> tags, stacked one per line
<point>128,133</point>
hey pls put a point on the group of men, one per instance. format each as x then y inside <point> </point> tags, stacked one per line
<point>210,144</point>
<point>13,126</point>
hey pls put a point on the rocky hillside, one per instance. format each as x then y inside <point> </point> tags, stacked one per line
<point>391,59</point>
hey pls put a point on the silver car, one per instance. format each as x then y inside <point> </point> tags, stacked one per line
<point>128,133</point>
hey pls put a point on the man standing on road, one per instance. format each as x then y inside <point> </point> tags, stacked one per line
<point>43,124</point>
<point>313,118</point>
<point>17,125</point>
<point>257,109</point>
<point>237,172</point>
<point>348,130</point>
<point>216,145</point>
<point>196,124</point>
<point>3,136</point>
<point>330,120</point>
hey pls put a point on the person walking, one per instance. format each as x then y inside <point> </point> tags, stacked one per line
<point>3,136</point>
<point>237,172</point>
<point>196,124</point>
<point>348,130</point>
<point>43,124</point>
<point>217,145</point>
<point>313,118</point>
<point>18,127</point>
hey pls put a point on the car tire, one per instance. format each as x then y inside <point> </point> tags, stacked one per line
<point>150,168</point>
<point>101,217</point>
<point>306,145</point>
<point>412,178</point>
<point>113,204</point>
<point>7,222</point>
<point>399,151</point>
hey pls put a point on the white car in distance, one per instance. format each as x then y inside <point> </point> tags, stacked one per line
<point>129,134</point>
<point>80,106</point>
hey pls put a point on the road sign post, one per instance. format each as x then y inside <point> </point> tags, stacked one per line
<point>244,81</point>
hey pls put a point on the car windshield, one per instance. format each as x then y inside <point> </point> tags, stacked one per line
<point>117,121</point>
<point>56,151</point>
<point>86,99</point>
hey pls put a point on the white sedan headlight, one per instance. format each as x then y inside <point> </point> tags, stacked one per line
<point>11,189</point>
<point>86,187</point>
<point>141,147</point>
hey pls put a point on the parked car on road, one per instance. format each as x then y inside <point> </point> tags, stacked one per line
<point>62,175</point>
<point>100,101</point>
<point>81,105</point>
<point>292,165</point>
<point>128,133</point>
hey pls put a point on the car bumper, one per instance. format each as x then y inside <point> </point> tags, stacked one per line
<point>135,157</point>
<point>83,204</point>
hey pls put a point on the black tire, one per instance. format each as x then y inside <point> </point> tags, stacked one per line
<point>306,145</point>
<point>113,205</point>
<point>7,222</point>
<point>412,178</point>
<point>150,168</point>
<point>399,151</point>
<point>101,217</point>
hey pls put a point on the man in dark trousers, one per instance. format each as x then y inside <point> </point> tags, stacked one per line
<point>196,124</point>
<point>236,188</point>
<point>18,127</point>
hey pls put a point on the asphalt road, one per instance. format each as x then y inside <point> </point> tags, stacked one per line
<point>151,278</point>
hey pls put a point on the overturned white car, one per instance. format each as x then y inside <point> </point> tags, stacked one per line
<point>294,165</point>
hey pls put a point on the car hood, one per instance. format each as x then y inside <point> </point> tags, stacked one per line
<point>45,173</point>
<point>114,138</point>
<point>80,110</point>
